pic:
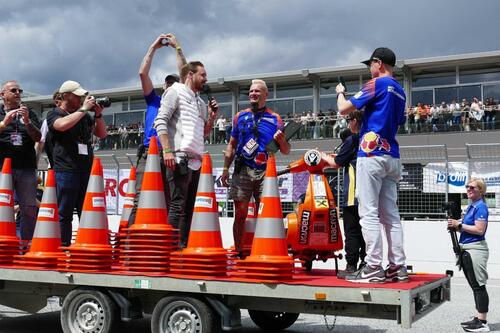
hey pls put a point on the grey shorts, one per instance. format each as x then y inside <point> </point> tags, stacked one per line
<point>247,183</point>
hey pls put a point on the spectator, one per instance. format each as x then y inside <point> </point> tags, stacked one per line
<point>489,112</point>
<point>446,115</point>
<point>456,111</point>
<point>19,130</point>
<point>71,127</point>
<point>465,115</point>
<point>434,115</point>
<point>221,129</point>
<point>183,111</point>
<point>123,134</point>
<point>474,258</point>
<point>476,114</point>
<point>410,114</point>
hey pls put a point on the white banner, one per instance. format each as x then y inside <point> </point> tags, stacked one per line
<point>435,176</point>
<point>115,187</point>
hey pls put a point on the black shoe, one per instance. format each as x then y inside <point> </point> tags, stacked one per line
<point>367,274</point>
<point>477,326</point>
<point>470,322</point>
<point>349,270</point>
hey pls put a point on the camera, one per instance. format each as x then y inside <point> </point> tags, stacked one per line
<point>452,209</point>
<point>165,41</point>
<point>103,102</point>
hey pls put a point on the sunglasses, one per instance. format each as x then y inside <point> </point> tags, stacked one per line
<point>15,90</point>
<point>470,187</point>
<point>372,61</point>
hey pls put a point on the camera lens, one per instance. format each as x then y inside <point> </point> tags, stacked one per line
<point>103,102</point>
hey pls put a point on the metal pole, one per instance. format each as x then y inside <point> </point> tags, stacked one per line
<point>117,183</point>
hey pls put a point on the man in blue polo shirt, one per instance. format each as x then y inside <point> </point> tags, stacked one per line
<point>153,104</point>
<point>253,129</point>
<point>382,100</point>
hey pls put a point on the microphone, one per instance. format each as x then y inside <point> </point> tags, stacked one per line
<point>206,90</point>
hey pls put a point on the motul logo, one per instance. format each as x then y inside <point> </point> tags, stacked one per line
<point>304,227</point>
<point>333,226</point>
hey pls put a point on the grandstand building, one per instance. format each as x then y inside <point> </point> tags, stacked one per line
<point>308,96</point>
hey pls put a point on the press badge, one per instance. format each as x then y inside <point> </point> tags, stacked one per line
<point>16,139</point>
<point>83,149</point>
<point>250,148</point>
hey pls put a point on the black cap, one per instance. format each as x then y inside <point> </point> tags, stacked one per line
<point>172,77</point>
<point>383,54</point>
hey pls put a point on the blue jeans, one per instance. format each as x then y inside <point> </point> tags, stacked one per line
<point>71,188</point>
<point>24,183</point>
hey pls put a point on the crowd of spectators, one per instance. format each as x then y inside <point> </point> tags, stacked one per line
<point>466,116</point>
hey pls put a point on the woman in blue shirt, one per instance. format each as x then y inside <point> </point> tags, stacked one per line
<point>472,229</point>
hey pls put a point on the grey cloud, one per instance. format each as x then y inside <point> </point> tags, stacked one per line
<point>101,43</point>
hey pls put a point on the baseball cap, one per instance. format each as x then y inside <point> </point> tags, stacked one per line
<point>383,54</point>
<point>73,87</point>
<point>172,77</point>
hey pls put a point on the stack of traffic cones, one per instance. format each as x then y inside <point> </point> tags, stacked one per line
<point>147,244</point>
<point>269,261</point>
<point>249,228</point>
<point>92,251</point>
<point>9,242</point>
<point>204,254</point>
<point>128,205</point>
<point>44,251</point>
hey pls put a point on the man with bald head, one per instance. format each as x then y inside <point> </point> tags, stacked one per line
<point>19,130</point>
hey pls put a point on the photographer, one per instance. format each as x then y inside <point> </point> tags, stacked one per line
<point>475,253</point>
<point>71,126</point>
<point>18,134</point>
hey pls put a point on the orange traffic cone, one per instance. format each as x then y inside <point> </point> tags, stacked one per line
<point>128,205</point>
<point>45,246</point>
<point>249,228</point>
<point>204,254</point>
<point>92,251</point>
<point>147,244</point>
<point>269,260</point>
<point>9,242</point>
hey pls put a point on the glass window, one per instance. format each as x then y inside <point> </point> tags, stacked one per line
<point>422,96</point>
<point>108,119</point>
<point>129,118</point>
<point>328,86</point>
<point>220,97</point>
<point>138,104</point>
<point>244,93</point>
<point>226,110</point>
<point>328,104</point>
<point>479,77</point>
<point>303,105</point>
<point>469,91</point>
<point>281,107</point>
<point>434,81</point>
<point>125,106</point>
<point>283,91</point>
<point>446,94</point>
<point>492,91</point>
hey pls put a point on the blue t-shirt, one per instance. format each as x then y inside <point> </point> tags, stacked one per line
<point>383,100</point>
<point>153,104</point>
<point>245,124</point>
<point>477,211</point>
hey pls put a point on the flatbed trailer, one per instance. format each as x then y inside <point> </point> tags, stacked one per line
<point>99,302</point>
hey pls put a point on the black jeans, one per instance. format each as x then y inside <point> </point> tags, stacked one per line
<point>140,166</point>
<point>354,242</point>
<point>183,195</point>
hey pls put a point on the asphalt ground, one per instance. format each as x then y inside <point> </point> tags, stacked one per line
<point>445,318</point>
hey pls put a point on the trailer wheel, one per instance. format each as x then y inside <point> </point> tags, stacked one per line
<point>88,311</point>
<point>308,265</point>
<point>177,314</point>
<point>273,321</point>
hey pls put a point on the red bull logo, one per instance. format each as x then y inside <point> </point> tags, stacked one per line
<point>372,141</point>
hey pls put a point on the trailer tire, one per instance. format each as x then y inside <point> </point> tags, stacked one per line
<point>308,265</point>
<point>88,311</point>
<point>175,314</point>
<point>273,321</point>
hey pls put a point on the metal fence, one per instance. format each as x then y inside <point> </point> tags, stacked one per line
<point>483,160</point>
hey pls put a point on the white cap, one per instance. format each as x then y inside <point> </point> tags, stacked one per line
<point>73,87</point>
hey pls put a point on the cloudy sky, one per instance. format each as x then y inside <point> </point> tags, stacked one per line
<point>101,43</point>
